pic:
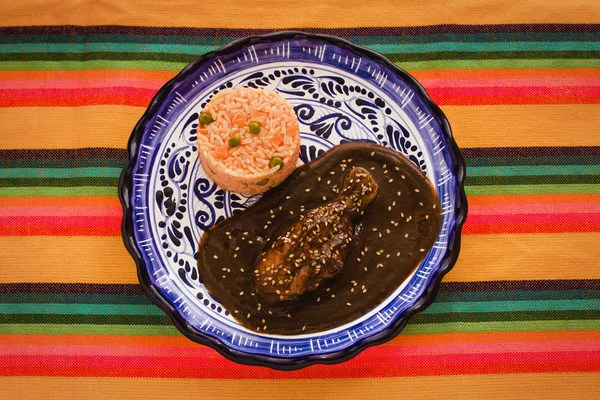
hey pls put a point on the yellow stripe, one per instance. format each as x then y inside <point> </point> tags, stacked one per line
<point>482,258</point>
<point>527,257</point>
<point>67,127</point>
<point>524,125</point>
<point>502,387</point>
<point>473,126</point>
<point>285,14</point>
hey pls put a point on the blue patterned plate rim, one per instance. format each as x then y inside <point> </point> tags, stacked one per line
<point>395,324</point>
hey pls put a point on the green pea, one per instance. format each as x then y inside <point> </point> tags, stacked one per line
<point>262,182</point>
<point>276,161</point>
<point>206,118</point>
<point>254,127</point>
<point>234,141</point>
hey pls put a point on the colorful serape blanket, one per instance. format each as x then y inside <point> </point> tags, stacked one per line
<point>518,317</point>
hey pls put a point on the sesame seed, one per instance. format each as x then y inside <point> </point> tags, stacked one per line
<point>332,173</point>
<point>241,293</point>
<point>374,229</point>
<point>390,208</point>
<point>307,190</point>
<point>333,295</point>
<point>250,242</point>
<point>391,180</point>
<point>291,212</point>
<point>385,172</point>
<point>348,304</point>
<point>265,227</point>
<point>236,311</point>
<point>427,217</point>
<point>398,254</point>
<point>421,203</point>
<point>319,179</point>
<point>264,328</point>
<point>304,328</point>
<point>422,250</point>
<point>387,231</point>
<point>216,257</point>
<point>417,190</point>
<point>402,176</point>
<point>228,233</point>
<point>372,153</point>
<point>248,316</point>
<point>366,269</point>
<point>387,256</point>
<point>364,290</point>
<point>288,197</point>
<point>328,182</point>
<point>241,269</point>
<point>372,168</point>
<point>399,194</point>
<point>434,206</point>
<point>380,235</point>
<point>352,290</point>
<point>397,168</point>
<point>358,259</point>
<point>406,235</point>
<point>224,277</point>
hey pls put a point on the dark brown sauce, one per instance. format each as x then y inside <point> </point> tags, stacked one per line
<point>409,228</point>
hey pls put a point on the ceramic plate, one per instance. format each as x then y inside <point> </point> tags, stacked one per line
<point>340,93</point>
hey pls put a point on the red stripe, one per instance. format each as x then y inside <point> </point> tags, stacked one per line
<point>376,362</point>
<point>476,224</point>
<point>140,97</point>
<point>456,96</point>
<point>49,97</point>
<point>60,221</point>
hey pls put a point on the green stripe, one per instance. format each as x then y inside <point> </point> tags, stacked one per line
<point>528,180</point>
<point>530,189</point>
<point>74,298</point>
<point>502,326</point>
<point>514,295</point>
<point>493,55</point>
<point>474,37</point>
<point>490,64</point>
<point>35,173</point>
<point>436,308</point>
<point>62,163</point>
<point>89,329</point>
<point>442,297</point>
<point>577,161</point>
<point>506,306</point>
<point>395,57</point>
<point>387,47</point>
<point>485,175</point>
<point>409,65</point>
<point>492,172</point>
<point>83,309</point>
<point>531,170</point>
<point>59,182</point>
<point>411,329</point>
<point>361,40</point>
<point>530,161</point>
<point>94,64</point>
<point>95,55</point>
<point>50,191</point>
<point>101,191</point>
<point>425,318</point>
<point>84,319</point>
<point>171,48</point>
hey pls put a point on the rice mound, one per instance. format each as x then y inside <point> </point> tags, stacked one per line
<point>245,168</point>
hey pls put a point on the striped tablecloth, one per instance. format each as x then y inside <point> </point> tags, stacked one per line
<point>518,317</point>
